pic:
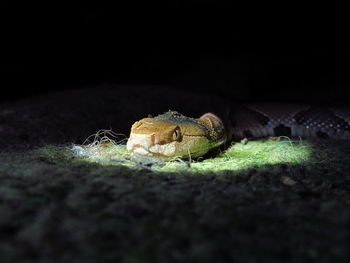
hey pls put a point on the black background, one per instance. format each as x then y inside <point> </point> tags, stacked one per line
<point>50,48</point>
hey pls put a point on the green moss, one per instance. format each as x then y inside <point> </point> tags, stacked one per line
<point>237,157</point>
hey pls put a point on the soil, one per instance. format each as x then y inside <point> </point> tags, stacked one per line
<point>52,211</point>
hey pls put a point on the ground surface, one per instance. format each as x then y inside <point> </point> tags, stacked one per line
<point>277,201</point>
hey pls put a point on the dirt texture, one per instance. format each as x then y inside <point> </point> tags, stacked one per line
<point>52,211</point>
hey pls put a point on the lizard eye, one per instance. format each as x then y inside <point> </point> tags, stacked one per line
<point>177,134</point>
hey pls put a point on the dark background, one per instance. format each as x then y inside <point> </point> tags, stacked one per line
<point>63,47</point>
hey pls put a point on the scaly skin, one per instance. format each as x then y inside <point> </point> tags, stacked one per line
<point>173,135</point>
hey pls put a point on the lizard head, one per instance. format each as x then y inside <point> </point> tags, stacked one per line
<point>173,135</point>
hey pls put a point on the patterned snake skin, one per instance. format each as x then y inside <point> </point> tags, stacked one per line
<point>174,135</point>
<point>260,120</point>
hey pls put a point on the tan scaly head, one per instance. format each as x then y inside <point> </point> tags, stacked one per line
<point>173,135</point>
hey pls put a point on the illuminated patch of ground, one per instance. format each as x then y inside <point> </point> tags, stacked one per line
<point>257,154</point>
<point>237,157</point>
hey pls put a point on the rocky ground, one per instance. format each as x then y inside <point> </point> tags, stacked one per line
<point>56,210</point>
